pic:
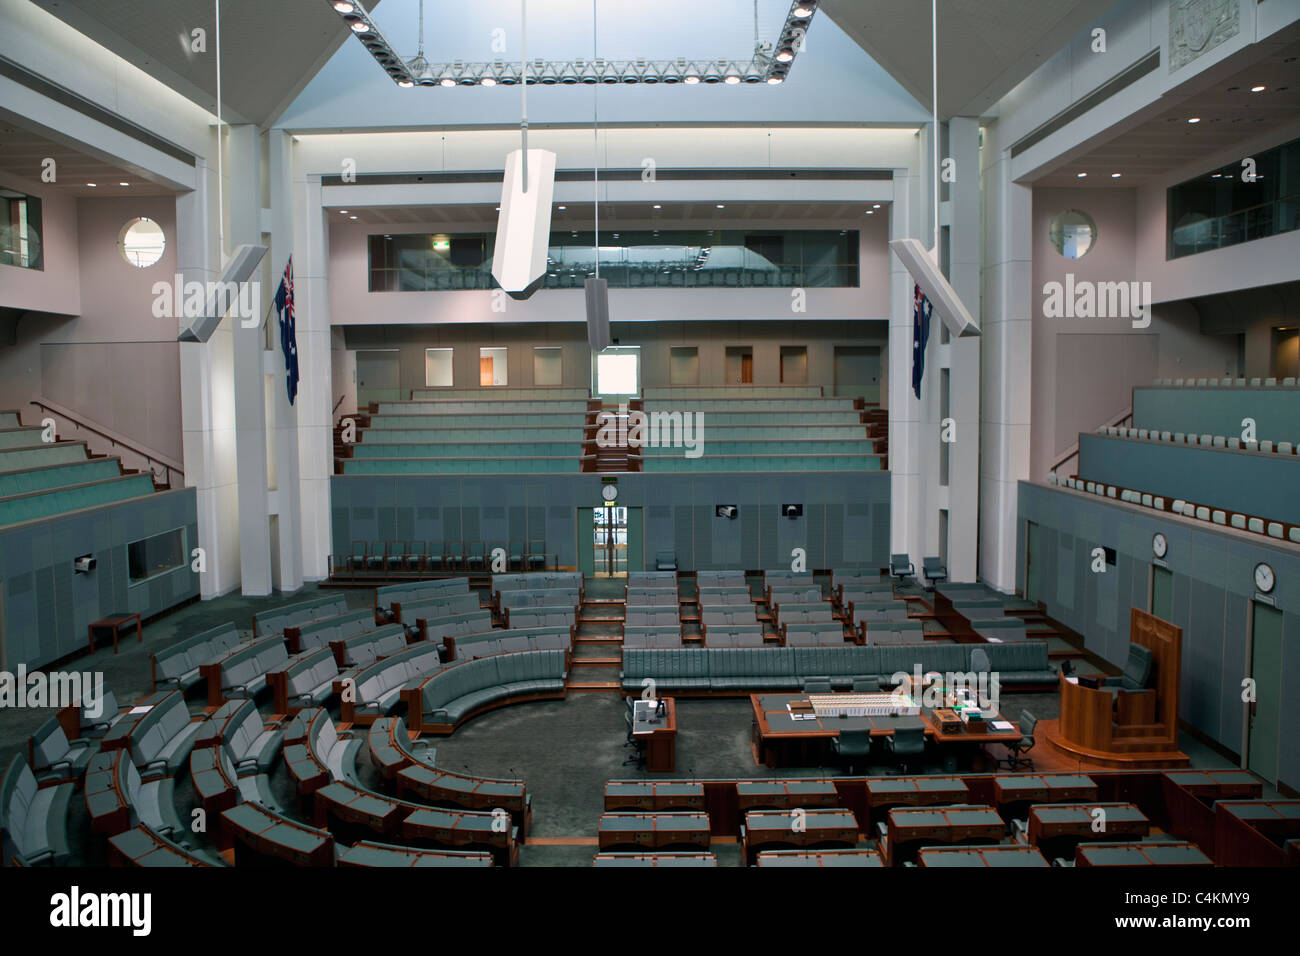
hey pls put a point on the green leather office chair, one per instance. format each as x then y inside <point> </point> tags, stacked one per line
<point>638,748</point>
<point>908,745</point>
<point>1026,742</point>
<point>852,746</point>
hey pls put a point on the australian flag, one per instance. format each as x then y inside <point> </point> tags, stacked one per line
<point>288,334</point>
<point>920,336</point>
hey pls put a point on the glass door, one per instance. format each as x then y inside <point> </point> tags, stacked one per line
<point>609,539</point>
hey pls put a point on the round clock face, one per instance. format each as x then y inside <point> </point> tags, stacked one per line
<point>1263,578</point>
<point>1159,546</point>
<point>609,492</point>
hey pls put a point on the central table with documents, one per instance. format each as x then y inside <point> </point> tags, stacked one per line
<point>793,730</point>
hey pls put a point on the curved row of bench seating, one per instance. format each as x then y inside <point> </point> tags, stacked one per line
<point>178,664</point>
<point>158,732</point>
<point>438,629</point>
<point>377,688</point>
<point>508,640</point>
<point>362,650</point>
<point>237,725</point>
<point>315,752</point>
<point>366,853</point>
<point>821,634</point>
<point>242,672</point>
<point>715,595</point>
<point>646,616</point>
<point>33,819</point>
<point>322,633</point>
<point>733,670</point>
<point>276,620</point>
<point>727,614</point>
<point>542,617</point>
<point>411,765</point>
<point>414,592</point>
<point>442,701</point>
<point>652,636</point>
<point>821,613</point>
<point>349,807</point>
<point>117,799</point>
<point>892,632</point>
<point>409,612</point>
<point>539,597</point>
<point>651,597</point>
<point>143,846</point>
<point>53,756</point>
<point>306,681</point>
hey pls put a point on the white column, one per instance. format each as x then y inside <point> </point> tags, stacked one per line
<point>965,239</point>
<point>283,418</point>
<point>207,396</point>
<point>906,491</point>
<point>244,194</point>
<point>1006,320</point>
<point>315,389</point>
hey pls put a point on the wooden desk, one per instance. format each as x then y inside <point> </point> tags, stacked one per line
<point>660,738</point>
<point>915,791</point>
<point>1218,784</point>
<point>1140,854</point>
<point>473,793</point>
<point>654,795</point>
<point>106,804</point>
<point>795,828</point>
<point>786,795</point>
<point>789,858</point>
<point>456,828</point>
<point>946,825</point>
<point>140,846</point>
<point>654,831</point>
<point>1052,821</point>
<point>780,740</point>
<point>115,623</point>
<point>367,854</point>
<point>358,807</point>
<point>215,789</point>
<point>1279,820</point>
<point>263,832</point>
<point>1006,854</point>
<point>1043,788</point>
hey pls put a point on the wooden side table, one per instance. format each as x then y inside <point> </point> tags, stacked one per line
<point>115,623</point>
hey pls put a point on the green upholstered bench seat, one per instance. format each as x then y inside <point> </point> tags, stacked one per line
<point>275,620</point>
<point>178,665</point>
<point>452,694</point>
<point>318,634</point>
<point>33,819</point>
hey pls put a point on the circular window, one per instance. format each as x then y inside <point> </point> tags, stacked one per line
<point>142,242</point>
<point>1073,233</point>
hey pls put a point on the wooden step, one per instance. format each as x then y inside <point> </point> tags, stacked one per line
<point>595,661</point>
<point>593,686</point>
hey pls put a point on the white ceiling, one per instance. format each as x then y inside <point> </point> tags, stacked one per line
<point>270,48</point>
<point>1228,111</point>
<point>986,47</point>
<point>22,155</point>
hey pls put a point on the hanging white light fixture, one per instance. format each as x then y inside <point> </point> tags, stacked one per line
<point>524,224</point>
<point>923,264</point>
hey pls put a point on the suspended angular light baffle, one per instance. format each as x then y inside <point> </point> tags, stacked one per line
<point>947,304</point>
<point>524,226</point>
<point>597,293</point>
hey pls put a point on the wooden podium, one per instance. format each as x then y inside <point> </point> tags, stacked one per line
<point>1129,728</point>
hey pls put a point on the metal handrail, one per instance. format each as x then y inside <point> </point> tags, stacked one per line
<point>1125,417</point>
<point>151,458</point>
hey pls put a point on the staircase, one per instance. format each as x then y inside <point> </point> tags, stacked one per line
<point>343,449</point>
<point>597,457</point>
<point>598,646</point>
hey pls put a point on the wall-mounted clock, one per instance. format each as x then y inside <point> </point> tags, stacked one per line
<point>609,492</point>
<point>1264,579</point>
<point>1159,546</point>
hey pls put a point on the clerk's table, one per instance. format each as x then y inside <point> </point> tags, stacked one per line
<point>658,731</point>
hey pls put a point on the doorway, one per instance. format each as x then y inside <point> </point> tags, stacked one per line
<point>378,376</point>
<point>740,365</point>
<point>611,538</point>
<point>1162,593</point>
<point>1032,586</point>
<point>1266,671</point>
<point>857,372</point>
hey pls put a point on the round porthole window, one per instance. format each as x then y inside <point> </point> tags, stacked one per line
<point>142,242</point>
<point>1073,233</point>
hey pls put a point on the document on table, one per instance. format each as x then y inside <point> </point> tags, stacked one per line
<point>1002,725</point>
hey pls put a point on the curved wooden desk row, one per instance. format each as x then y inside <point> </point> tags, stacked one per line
<point>410,765</point>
